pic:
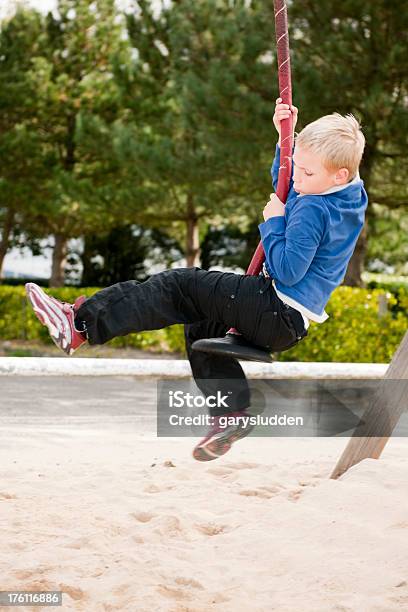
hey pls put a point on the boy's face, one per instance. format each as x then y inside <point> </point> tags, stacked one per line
<point>310,175</point>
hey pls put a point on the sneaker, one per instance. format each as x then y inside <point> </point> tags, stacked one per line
<point>58,317</point>
<point>220,439</point>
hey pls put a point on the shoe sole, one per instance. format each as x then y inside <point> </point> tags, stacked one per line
<point>47,313</point>
<point>218,447</point>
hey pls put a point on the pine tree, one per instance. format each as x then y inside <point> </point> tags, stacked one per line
<point>350,56</point>
<point>74,81</point>
<point>20,168</point>
<point>200,98</point>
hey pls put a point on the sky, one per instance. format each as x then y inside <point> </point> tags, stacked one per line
<point>6,6</point>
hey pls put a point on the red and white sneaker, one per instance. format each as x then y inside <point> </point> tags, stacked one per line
<point>58,317</point>
<point>219,439</point>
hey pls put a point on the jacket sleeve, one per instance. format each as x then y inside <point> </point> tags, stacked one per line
<point>291,246</point>
<point>275,170</point>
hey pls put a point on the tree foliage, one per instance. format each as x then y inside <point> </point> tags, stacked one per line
<point>163,119</point>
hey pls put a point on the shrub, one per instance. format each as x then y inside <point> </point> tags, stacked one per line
<point>354,331</point>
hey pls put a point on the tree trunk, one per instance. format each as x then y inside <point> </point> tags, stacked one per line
<point>60,251</point>
<point>59,255</point>
<point>5,237</point>
<point>193,241</point>
<point>356,263</point>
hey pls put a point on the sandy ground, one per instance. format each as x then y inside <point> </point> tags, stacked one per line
<point>94,504</point>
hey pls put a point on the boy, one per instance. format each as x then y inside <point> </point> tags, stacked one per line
<point>308,243</point>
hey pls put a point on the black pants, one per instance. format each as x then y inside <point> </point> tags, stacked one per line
<point>208,303</point>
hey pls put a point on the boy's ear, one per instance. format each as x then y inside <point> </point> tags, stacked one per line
<point>342,176</point>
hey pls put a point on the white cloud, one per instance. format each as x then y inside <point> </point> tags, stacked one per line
<point>7,6</point>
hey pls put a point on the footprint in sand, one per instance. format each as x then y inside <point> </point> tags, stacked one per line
<point>152,488</point>
<point>401,525</point>
<point>220,598</point>
<point>24,574</point>
<point>78,543</point>
<point>219,471</point>
<point>173,593</point>
<point>211,529</point>
<point>224,474</point>
<point>307,483</point>
<point>74,592</point>
<point>169,526</point>
<point>7,495</point>
<point>261,492</point>
<point>189,582</point>
<point>39,585</point>
<point>27,574</point>
<point>401,600</point>
<point>163,525</point>
<point>142,517</point>
<point>244,465</point>
<point>295,494</point>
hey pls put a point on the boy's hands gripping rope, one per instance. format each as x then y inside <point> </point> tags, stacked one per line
<point>276,208</point>
<point>283,111</point>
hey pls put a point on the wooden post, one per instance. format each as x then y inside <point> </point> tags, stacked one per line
<point>382,305</point>
<point>381,417</point>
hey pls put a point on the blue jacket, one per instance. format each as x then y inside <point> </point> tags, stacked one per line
<point>308,249</point>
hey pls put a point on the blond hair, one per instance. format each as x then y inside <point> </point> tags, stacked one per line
<point>338,140</point>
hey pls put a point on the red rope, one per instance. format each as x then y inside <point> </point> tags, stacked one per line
<point>285,92</point>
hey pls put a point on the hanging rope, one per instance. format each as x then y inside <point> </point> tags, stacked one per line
<point>285,92</point>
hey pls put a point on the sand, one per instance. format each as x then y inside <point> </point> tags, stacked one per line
<point>121,520</point>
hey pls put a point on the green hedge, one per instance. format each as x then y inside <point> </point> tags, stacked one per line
<point>354,332</point>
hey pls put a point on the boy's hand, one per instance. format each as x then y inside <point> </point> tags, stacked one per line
<point>282,112</point>
<point>274,208</point>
